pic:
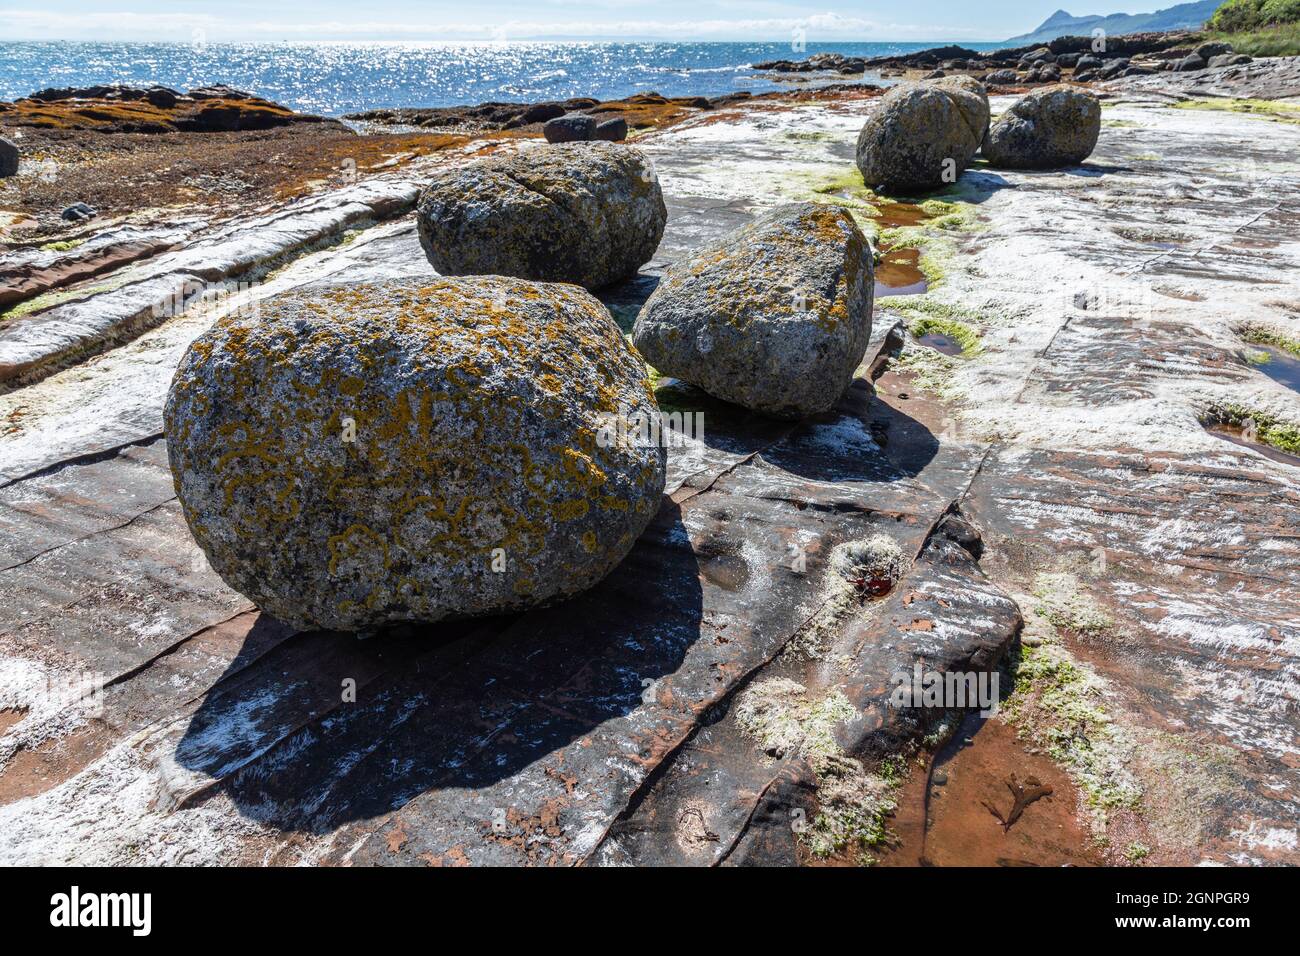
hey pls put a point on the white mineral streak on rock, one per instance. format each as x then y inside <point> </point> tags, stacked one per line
<point>30,342</point>
<point>1064,224</point>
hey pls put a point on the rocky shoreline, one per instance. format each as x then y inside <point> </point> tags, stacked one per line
<point>1080,59</point>
<point>1020,479</point>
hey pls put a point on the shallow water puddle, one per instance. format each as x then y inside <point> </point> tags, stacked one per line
<point>1237,435</point>
<point>947,818</point>
<point>1281,366</point>
<point>940,343</point>
<point>899,271</point>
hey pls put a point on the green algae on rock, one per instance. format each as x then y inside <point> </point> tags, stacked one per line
<point>923,135</point>
<point>1050,128</point>
<point>412,451</point>
<point>775,316</point>
<point>589,213</point>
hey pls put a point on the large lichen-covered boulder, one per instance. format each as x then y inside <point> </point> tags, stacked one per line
<point>1047,129</point>
<point>774,317</point>
<point>923,135</point>
<point>414,451</point>
<point>586,213</point>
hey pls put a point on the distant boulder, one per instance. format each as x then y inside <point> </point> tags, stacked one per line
<point>1190,64</point>
<point>571,128</point>
<point>79,212</point>
<point>1002,78</point>
<point>1229,59</point>
<point>1206,51</point>
<point>923,135</point>
<point>612,130</point>
<point>1050,128</point>
<point>586,213</point>
<point>8,158</point>
<point>1113,68</point>
<point>541,113</point>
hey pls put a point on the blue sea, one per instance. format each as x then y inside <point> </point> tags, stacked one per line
<point>337,78</point>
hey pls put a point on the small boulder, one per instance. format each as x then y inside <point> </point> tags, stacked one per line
<point>1002,78</point>
<point>1085,76</point>
<point>612,130</point>
<point>586,213</point>
<point>79,212</point>
<point>161,97</point>
<point>1212,48</point>
<point>1088,62</point>
<point>8,158</point>
<point>1049,128</point>
<point>541,113</point>
<point>1113,68</point>
<point>570,128</point>
<point>1049,73</point>
<point>934,75</point>
<point>1189,64</point>
<point>775,316</point>
<point>1229,59</point>
<point>413,451</point>
<point>923,135</point>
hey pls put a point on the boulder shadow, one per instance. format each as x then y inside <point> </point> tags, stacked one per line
<point>312,731</point>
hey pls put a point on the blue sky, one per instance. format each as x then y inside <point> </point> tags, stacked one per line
<point>825,21</point>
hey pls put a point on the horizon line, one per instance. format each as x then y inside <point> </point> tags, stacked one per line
<point>491,40</point>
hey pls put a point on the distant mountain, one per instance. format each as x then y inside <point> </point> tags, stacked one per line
<point>1185,16</point>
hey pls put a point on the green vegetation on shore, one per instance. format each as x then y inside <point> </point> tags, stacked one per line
<point>1265,109</point>
<point>1261,335</point>
<point>1268,429</point>
<point>1258,27</point>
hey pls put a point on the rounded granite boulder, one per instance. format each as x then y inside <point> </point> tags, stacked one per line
<point>923,135</point>
<point>412,451</point>
<point>1050,128</point>
<point>775,317</point>
<point>587,213</point>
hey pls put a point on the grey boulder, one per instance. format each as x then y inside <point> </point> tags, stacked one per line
<point>1049,128</point>
<point>586,213</point>
<point>612,130</point>
<point>413,451</point>
<point>923,135</point>
<point>1212,48</point>
<point>775,316</point>
<point>8,158</point>
<point>572,128</point>
<point>1229,59</point>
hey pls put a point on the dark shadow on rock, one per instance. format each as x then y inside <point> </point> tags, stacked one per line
<point>977,185</point>
<point>451,705</point>
<point>625,299</point>
<point>862,440</point>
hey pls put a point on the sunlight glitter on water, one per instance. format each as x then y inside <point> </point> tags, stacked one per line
<point>337,78</point>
